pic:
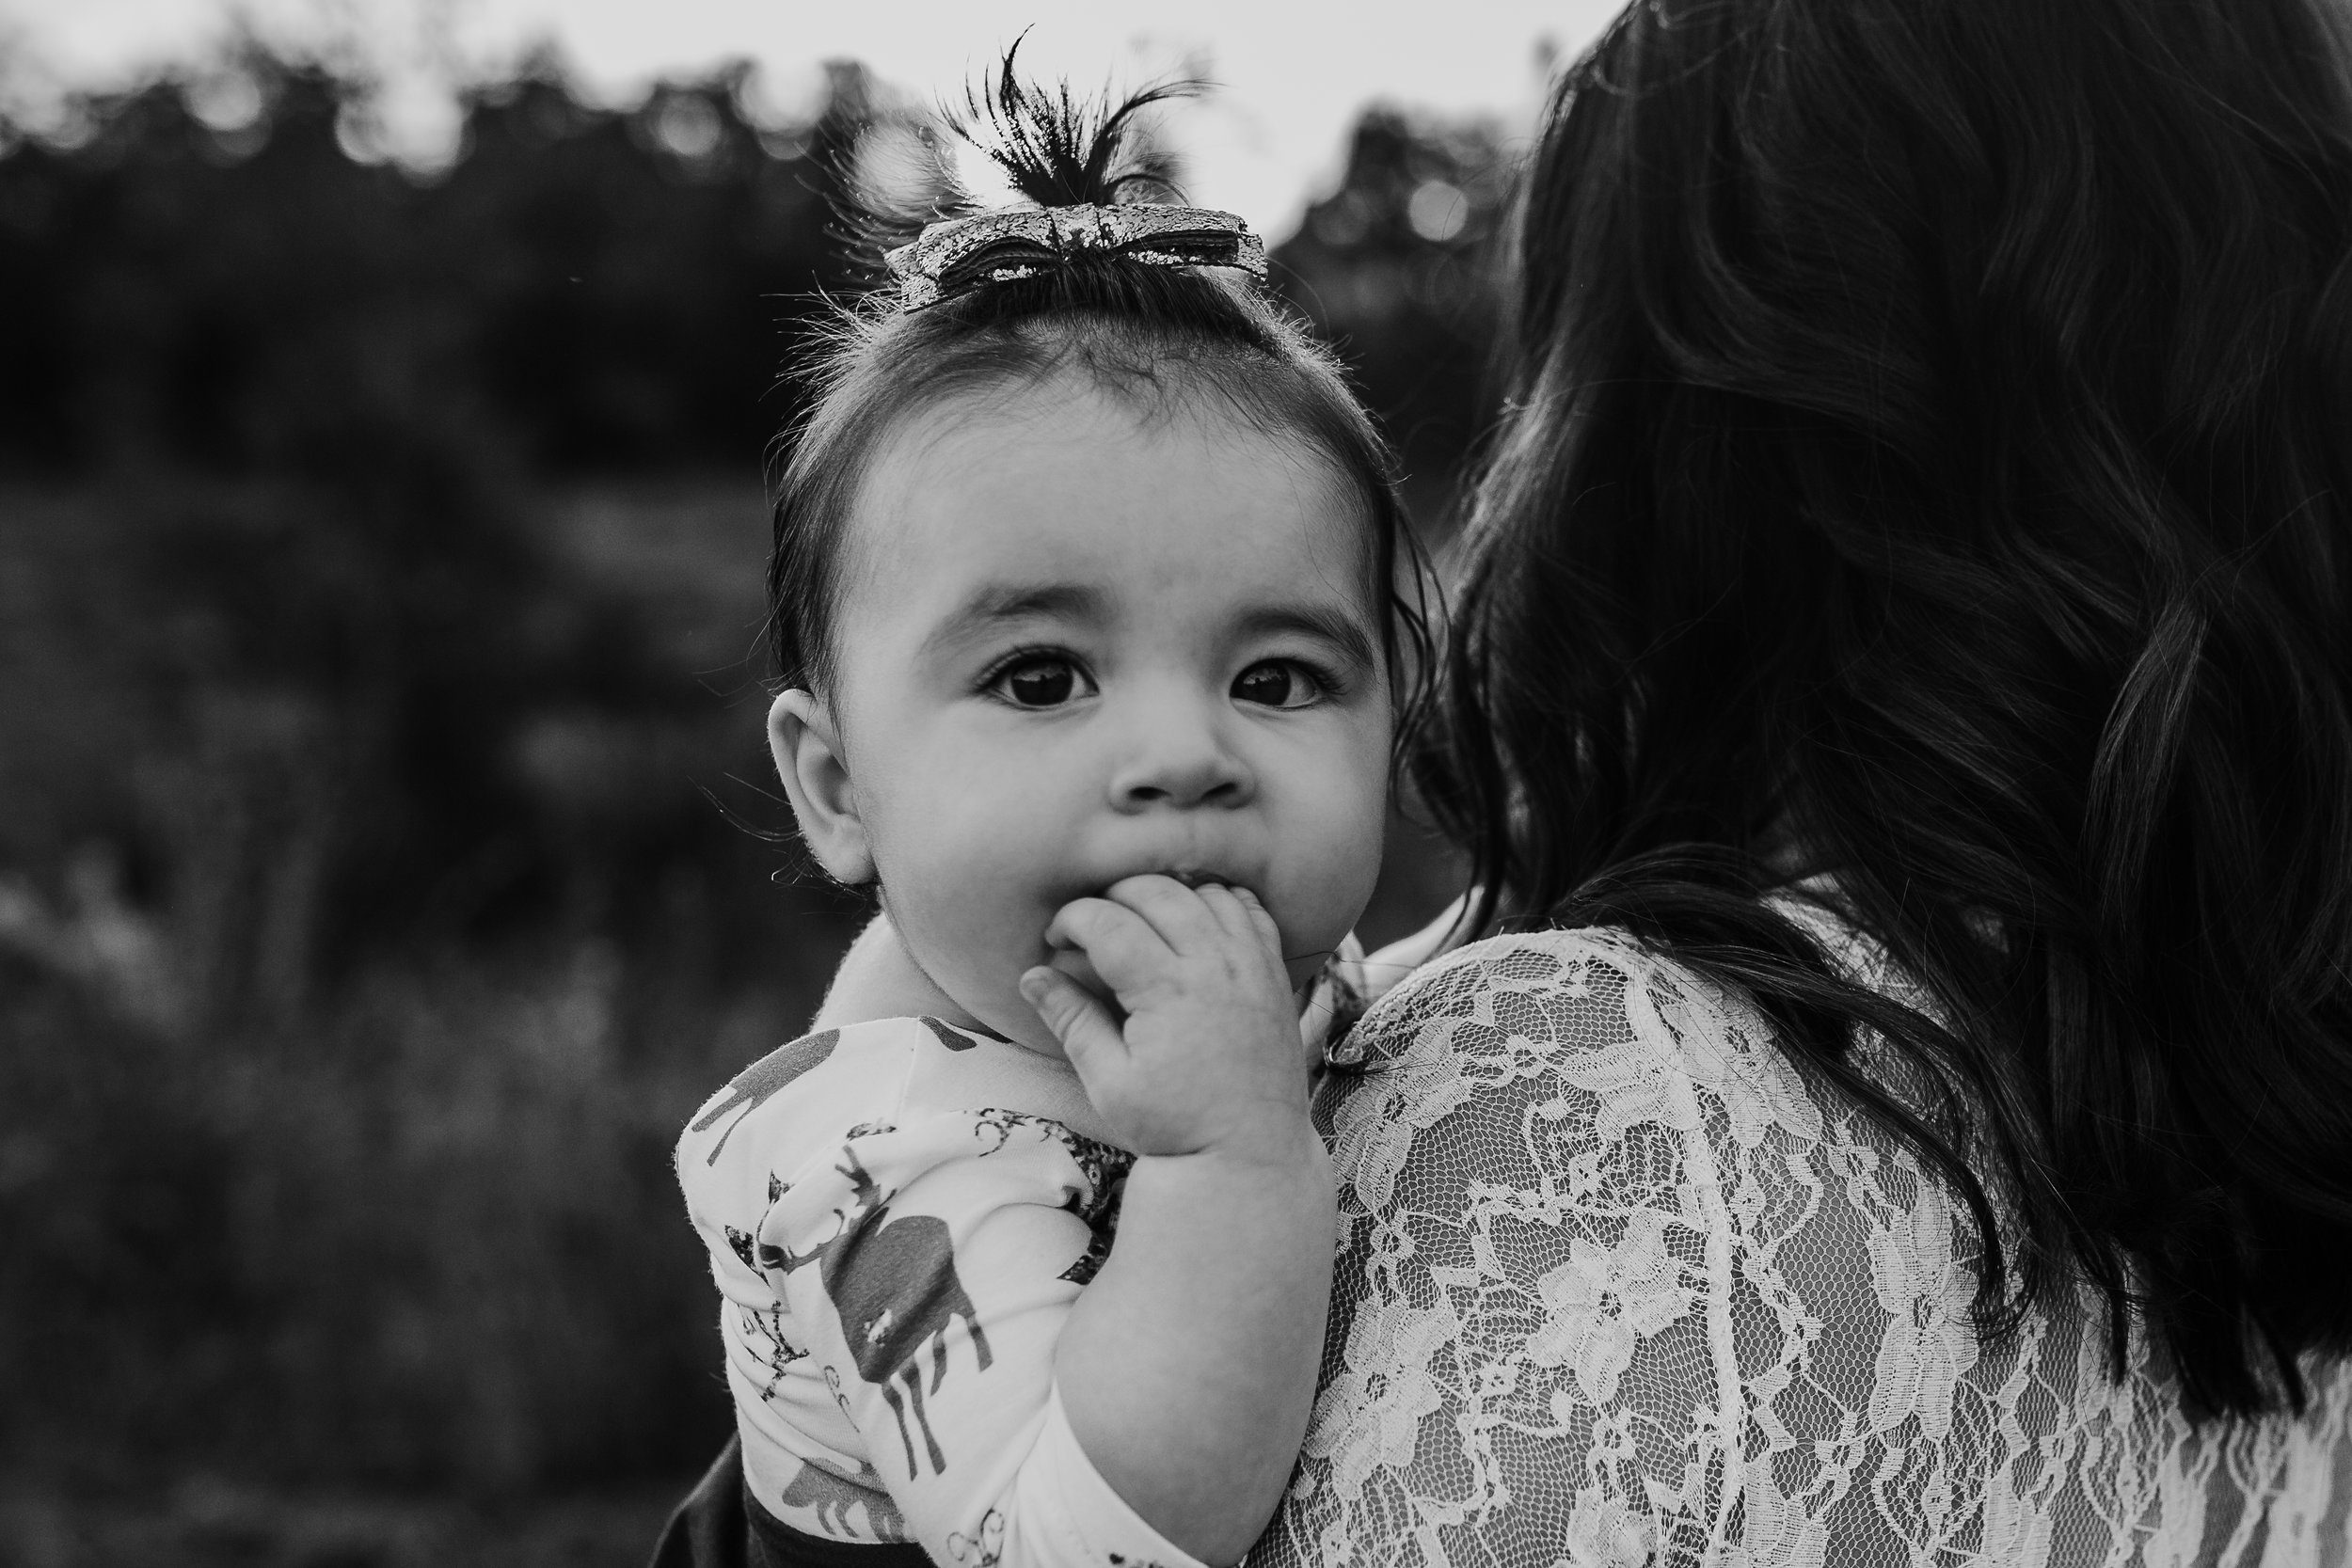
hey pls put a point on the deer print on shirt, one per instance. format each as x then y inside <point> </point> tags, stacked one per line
<point>958,1037</point>
<point>762,1081</point>
<point>1102,1179</point>
<point>767,1323</point>
<point>984,1547</point>
<point>831,1498</point>
<point>947,1035</point>
<point>893,1282</point>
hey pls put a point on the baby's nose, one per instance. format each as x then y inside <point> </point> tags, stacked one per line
<point>1181,760</point>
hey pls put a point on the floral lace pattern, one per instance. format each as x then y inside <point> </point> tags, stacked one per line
<point>1615,1286</point>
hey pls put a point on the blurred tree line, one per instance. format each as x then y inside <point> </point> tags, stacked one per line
<point>380,735</point>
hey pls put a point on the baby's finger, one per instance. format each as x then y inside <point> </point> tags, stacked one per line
<point>1260,921</point>
<point>1175,911</point>
<point>1081,1022</point>
<point>1232,906</point>
<point>1073,962</point>
<point>1122,945</point>
<point>1088,922</point>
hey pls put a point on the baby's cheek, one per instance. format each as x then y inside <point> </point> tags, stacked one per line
<point>1328,898</point>
<point>982,898</point>
<point>1335,875</point>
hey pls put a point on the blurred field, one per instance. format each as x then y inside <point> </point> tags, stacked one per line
<point>398,1219</point>
<point>386,867</point>
<point>209,1524</point>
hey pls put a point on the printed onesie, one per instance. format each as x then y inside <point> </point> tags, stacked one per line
<point>900,1214</point>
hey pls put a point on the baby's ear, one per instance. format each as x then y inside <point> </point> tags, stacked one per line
<point>808,750</point>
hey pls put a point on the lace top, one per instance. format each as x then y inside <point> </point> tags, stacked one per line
<point>1615,1286</point>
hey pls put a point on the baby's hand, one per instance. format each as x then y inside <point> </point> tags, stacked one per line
<point>1208,1057</point>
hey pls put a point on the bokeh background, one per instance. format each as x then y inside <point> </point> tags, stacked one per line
<point>388,863</point>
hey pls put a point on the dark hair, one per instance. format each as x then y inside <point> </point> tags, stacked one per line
<point>1928,462</point>
<point>1154,334</point>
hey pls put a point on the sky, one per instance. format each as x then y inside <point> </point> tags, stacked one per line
<point>1292,76</point>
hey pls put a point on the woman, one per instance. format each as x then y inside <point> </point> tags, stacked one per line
<point>1900,705</point>
<point>1900,695</point>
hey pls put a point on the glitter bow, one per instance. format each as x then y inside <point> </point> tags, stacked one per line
<point>954,257</point>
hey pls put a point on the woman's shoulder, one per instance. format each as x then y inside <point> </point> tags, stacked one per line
<point>1571,989</point>
<point>1544,956</point>
<point>1589,1032</point>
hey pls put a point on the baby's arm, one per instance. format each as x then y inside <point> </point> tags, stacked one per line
<point>1187,1369</point>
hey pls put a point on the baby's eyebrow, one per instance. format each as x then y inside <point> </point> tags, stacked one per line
<point>1323,623</point>
<point>997,603</point>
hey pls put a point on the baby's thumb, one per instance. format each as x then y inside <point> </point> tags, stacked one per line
<point>1075,1016</point>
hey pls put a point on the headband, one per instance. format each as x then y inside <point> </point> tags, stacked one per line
<point>961,254</point>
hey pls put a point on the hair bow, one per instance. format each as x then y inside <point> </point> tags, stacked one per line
<point>960,254</point>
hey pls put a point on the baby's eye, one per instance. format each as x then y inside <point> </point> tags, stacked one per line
<point>1276,683</point>
<point>1043,681</point>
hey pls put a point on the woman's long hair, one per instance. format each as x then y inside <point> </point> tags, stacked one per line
<point>1929,461</point>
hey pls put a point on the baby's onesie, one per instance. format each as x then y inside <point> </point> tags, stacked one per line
<point>900,1214</point>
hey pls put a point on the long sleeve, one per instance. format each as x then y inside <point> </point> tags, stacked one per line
<point>1529,1357</point>
<point>1615,1286</point>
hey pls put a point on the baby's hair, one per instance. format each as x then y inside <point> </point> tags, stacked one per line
<point>1156,336</point>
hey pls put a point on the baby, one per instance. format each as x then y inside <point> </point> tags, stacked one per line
<point>1084,610</point>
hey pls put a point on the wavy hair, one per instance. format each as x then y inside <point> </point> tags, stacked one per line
<point>1928,462</point>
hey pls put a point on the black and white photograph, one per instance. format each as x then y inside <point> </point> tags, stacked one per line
<point>1172,784</point>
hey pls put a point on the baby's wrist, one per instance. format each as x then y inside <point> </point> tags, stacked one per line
<point>1277,1147</point>
<point>1272,1120</point>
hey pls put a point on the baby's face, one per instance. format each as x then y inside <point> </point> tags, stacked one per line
<point>1078,644</point>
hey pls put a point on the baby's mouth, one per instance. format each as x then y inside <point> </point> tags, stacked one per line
<point>1192,877</point>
